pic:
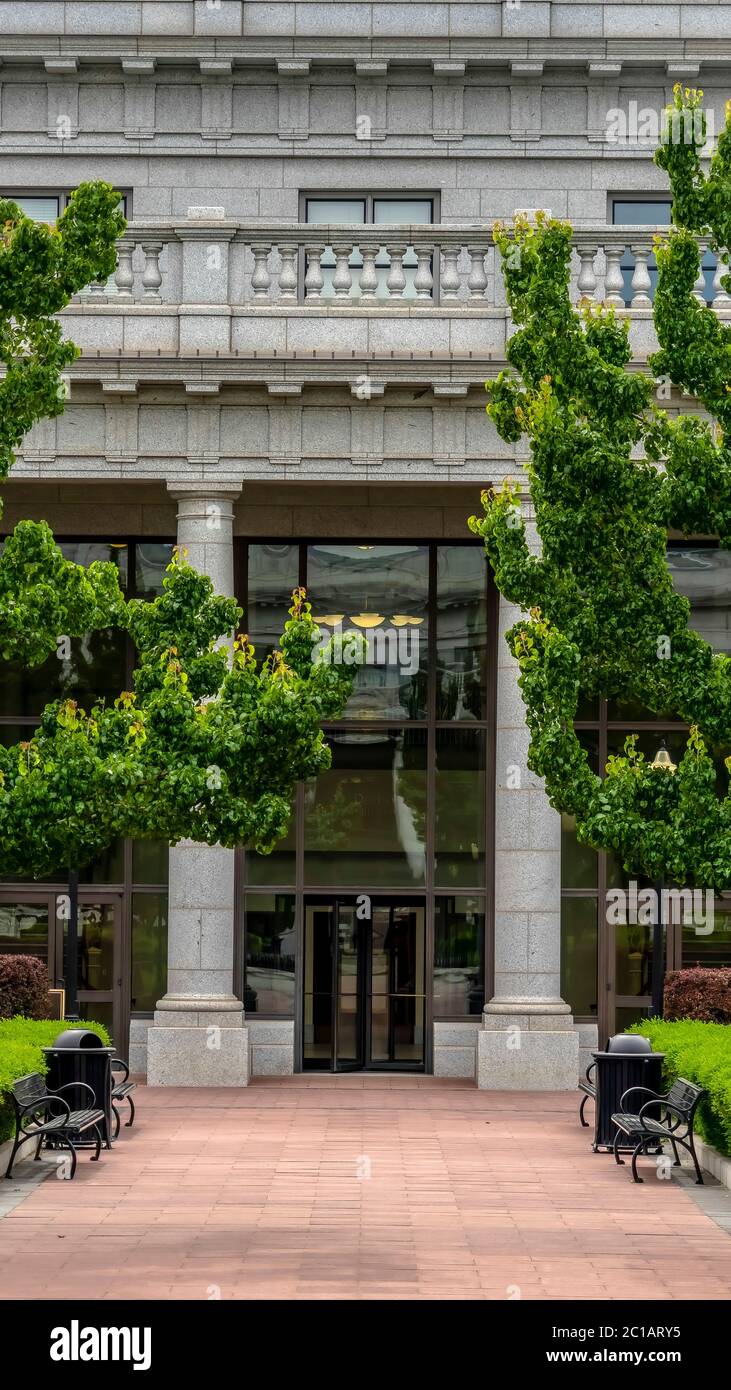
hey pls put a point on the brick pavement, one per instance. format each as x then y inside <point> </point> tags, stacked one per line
<point>359,1187</point>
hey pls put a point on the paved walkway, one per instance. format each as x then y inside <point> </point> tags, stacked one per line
<point>359,1187</point>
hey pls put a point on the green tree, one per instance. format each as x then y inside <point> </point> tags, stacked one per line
<point>42,595</point>
<point>609,473</point>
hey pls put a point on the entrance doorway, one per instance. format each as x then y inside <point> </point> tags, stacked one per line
<point>364,984</point>
<point>35,922</point>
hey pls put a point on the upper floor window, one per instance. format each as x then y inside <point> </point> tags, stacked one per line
<point>652,212</point>
<point>342,262</point>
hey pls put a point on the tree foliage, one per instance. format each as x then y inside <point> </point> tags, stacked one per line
<point>609,474</point>
<point>42,595</point>
<point>208,744</point>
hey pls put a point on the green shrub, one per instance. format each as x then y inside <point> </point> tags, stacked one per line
<point>21,1041</point>
<point>699,1052</point>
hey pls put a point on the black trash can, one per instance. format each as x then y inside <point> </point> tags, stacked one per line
<point>628,1061</point>
<point>80,1055</point>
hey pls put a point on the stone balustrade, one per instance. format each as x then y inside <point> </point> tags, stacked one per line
<point>215,287</point>
<point>218,261</point>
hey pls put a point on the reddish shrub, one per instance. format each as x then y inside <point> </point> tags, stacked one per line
<point>700,993</point>
<point>23,987</point>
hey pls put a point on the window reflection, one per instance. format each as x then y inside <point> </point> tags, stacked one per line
<point>151,561</point>
<point>461,632</point>
<point>703,575</point>
<point>149,950</point>
<point>579,955</point>
<point>365,819</point>
<point>87,668</point>
<point>459,957</point>
<point>460,808</point>
<point>270,954</point>
<point>380,591</point>
<point>273,574</point>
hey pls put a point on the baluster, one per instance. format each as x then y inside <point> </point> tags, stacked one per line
<point>368,275</point>
<point>699,288</point>
<point>641,282</point>
<point>586,282</point>
<point>96,290</point>
<point>477,279</point>
<point>396,279</point>
<point>151,276</point>
<point>261,279</point>
<point>721,297</point>
<point>613,277</point>
<point>288,273</point>
<point>124,277</point>
<point>314,279</point>
<point>342,278</point>
<point>450,283</point>
<point>423,278</point>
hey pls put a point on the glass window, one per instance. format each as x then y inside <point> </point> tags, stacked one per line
<point>579,863</point>
<point>579,955</point>
<point>85,668</point>
<point>461,632</point>
<point>108,868</point>
<point>459,956</point>
<point>38,208</point>
<point>703,575</point>
<point>270,954</point>
<point>648,212</point>
<point>24,929</point>
<point>149,950</point>
<point>354,211</point>
<point>715,948</point>
<point>460,808</point>
<point>382,592</point>
<point>151,561</point>
<point>279,866</point>
<point>149,861</point>
<point>273,574</point>
<point>365,819</point>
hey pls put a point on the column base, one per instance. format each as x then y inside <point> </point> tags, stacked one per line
<point>527,1047</point>
<point>198,1043</point>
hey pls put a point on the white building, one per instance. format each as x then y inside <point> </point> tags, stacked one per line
<point>306,308</point>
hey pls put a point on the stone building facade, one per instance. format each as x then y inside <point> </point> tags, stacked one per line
<point>286,375</point>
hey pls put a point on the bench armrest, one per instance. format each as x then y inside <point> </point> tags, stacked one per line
<point>117,1062</point>
<point>587,1075</point>
<point>682,1115</point>
<point>74,1086</point>
<point>43,1103</point>
<point>636,1090</point>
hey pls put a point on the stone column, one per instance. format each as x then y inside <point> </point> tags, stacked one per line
<point>198,1037</point>
<point>527,1041</point>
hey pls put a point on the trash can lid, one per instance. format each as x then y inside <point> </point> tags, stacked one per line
<point>629,1042</point>
<point>77,1037</point>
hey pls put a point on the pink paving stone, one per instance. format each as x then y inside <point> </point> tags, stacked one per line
<point>257,1194</point>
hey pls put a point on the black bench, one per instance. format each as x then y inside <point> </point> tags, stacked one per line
<point>121,1091</point>
<point>588,1086</point>
<point>674,1122</point>
<point>35,1118</point>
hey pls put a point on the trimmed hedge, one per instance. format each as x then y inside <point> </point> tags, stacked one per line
<point>21,1040</point>
<point>23,987</point>
<point>700,1052</point>
<point>699,993</point>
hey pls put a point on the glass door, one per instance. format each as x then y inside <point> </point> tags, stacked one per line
<point>100,973</point>
<point>364,985</point>
<point>396,987</point>
<point>333,992</point>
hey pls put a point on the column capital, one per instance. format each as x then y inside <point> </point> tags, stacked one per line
<point>219,491</point>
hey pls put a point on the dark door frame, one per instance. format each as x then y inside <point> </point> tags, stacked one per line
<point>334,900</point>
